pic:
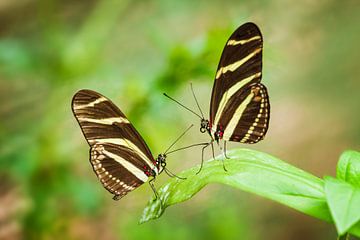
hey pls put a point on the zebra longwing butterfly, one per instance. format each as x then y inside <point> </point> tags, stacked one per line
<point>118,154</point>
<point>239,107</point>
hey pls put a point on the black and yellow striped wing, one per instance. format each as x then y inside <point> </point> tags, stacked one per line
<point>239,108</point>
<point>118,154</point>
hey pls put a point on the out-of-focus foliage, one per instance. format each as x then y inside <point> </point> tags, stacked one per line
<point>132,51</point>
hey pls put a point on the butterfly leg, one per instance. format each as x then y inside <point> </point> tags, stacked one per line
<point>202,155</point>
<point>157,197</point>
<point>225,150</point>
<point>212,149</point>
<point>223,162</point>
<point>171,174</point>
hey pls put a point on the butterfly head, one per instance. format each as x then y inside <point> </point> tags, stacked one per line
<point>160,162</point>
<point>204,125</point>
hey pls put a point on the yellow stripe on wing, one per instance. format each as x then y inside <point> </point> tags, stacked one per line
<point>228,94</point>
<point>139,173</point>
<point>233,66</point>
<point>236,117</point>
<point>125,143</point>
<point>90,104</point>
<point>106,121</point>
<point>243,41</point>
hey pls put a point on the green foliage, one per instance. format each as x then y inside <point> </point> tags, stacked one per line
<point>348,168</point>
<point>344,203</point>
<point>267,176</point>
<point>343,193</point>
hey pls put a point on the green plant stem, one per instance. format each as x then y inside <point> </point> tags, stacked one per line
<point>344,237</point>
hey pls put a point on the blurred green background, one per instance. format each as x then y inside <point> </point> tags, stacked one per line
<point>132,51</point>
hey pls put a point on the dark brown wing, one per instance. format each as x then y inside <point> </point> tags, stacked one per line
<point>239,71</point>
<point>240,65</point>
<point>250,120</point>
<point>118,153</point>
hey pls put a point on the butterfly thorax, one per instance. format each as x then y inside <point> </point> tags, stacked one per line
<point>206,126</point>
<point>149,172</point>
<point>219,133</point>
<point>159,165</point>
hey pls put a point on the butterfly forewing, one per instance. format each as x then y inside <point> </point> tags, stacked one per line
<point>238,97</point>
<point>118,153</point>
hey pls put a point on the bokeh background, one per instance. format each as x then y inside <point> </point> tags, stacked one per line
<point>132,52</point>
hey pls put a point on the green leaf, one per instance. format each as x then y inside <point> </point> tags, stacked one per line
<point>249,171</point>
<point>344,203</point>
<point>355,230</point>
<point>348,168</point>
<point>343,237</point>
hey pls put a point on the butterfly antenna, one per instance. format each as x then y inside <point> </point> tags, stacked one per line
<point>182,105</point>
<point>197,103</point>
<point>190,146</point>
<point>179,138</point>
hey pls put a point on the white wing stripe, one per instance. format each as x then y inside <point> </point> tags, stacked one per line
<point>126,143</point>
<point>228,94</point>
<point>236,117</point>
<point>234,42</point>
<point>90,104</point>
<point>233,66</point>
<point>107,121</point>
<point>139,173</point>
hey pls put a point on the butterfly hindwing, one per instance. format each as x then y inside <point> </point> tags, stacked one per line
<point>238,99</point>
<point>118,153</point>
<point>250,121</point>
<point>114,171</point>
